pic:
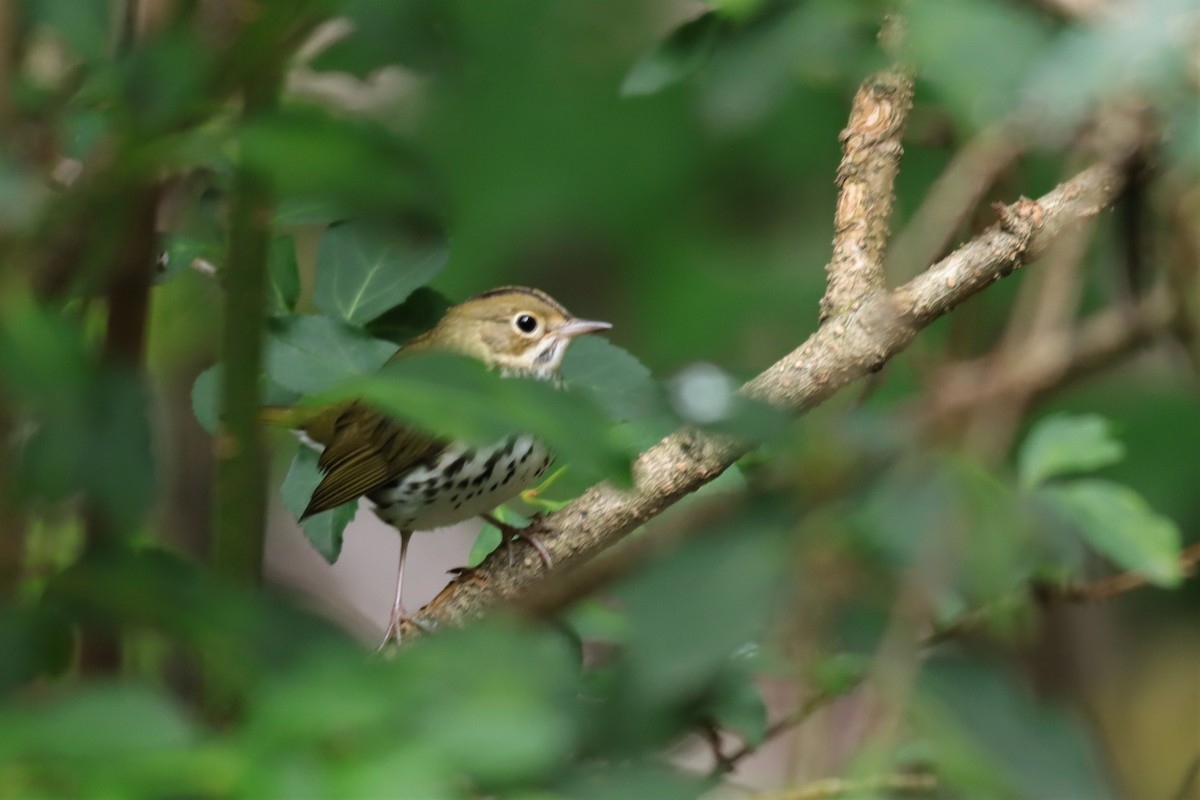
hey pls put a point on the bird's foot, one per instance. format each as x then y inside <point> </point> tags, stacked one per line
<point>395,629</point>
<point>509,534</point>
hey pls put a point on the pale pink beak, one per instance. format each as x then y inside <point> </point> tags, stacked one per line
<point>578,327</point>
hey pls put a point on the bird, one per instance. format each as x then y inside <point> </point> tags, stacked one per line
<point>418,481</point>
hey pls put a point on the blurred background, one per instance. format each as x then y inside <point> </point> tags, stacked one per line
<point>902,593</point>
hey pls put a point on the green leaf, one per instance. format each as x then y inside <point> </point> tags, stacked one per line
<point>284,288</point>
<point>98,723</point>
<point>682,53</point>
<point>362,273</point>
<point>691,612</point>
<point>1064,444</point>
<point>976,53</point>
<point>1117,522</point>
<point>323,530</point>
<point>310,154</point>
<point>206,397</point>
<point>84,25</point>
<point>613,379</point>
<point>739,706</point>
<point>311,353</point>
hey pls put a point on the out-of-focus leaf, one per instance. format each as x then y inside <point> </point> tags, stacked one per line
<point>295,211</point>
<point>737,9</point>
<point>362,273</point>
<point>739,706</point>
<point>408,32</point>
<point>637,780</point>
<point>1063,444</point>
<point>36,641</point>
<point>420,312</point>
<point>976,52</point>
<point>1117,522</point>
<point>691,612</point>
<point>350,163</point>
<point>838,674</point>
<point>311,353</point>
<point>102,722</point>
<point>1136,51</point>
<point>682,53</point>
<point>459,398</point>
<point>989,739</point>
<point>206,397</point>
<point>323,530</point>
<point>612,378</point>
<point>83,24</point>
<point>284,287</point>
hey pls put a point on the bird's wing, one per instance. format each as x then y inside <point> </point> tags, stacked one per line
<point>367,450</point>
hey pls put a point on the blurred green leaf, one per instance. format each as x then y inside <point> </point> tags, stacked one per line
<point>459,398</point>
<point>1064,444</point>
<point>1117,522</point>
<point>990,738</point>
<point>323,530</point>
<point>85,25</point>
<point>348,162</point>
<point>284,287</point>
<point>977,53</point>
<point>311,353</point>
<point>409,32</point>
<point>739,706</point>
<point>692,611</point>
<point>97,723</point>
<point>361,273</point>
<point>685,50</point>
<point>612,378</point>
<point>206,398</point>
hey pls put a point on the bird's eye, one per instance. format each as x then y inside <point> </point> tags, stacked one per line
<point>526,323</point>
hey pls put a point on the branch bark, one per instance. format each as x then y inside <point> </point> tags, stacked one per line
<point>871,147</point>
<point>844,349</point>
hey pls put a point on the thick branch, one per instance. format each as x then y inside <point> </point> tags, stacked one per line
<point>840,352</point>
<point>871,146</point>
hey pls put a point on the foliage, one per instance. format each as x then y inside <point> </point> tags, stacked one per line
<point>673,172</point>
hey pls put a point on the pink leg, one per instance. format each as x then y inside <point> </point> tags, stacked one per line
<point>397,616</point>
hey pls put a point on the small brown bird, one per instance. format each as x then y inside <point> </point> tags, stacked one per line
<point>417,481</point>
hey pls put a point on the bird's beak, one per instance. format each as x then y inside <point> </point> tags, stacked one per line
<point>578,327</point>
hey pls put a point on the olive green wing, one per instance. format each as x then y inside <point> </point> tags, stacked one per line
<point>367,450</point>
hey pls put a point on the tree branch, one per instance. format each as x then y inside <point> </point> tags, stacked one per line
<point>846,348</point>
<point>871,147</point>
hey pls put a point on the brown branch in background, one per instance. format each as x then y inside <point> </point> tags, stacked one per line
<point>1115,585</point>
<point>810,706</point>
<point>871,146</point>
<point>1050,362</point>
<point>1095,591</point>
<point>840,352</point>
<point>127,297</point>
<point>900,783</point>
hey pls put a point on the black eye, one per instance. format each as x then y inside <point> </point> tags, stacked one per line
<point>527,323</point>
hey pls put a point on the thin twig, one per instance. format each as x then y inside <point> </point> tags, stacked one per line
<point>1091,592</point>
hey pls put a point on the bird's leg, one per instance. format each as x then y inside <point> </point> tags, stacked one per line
<point>397,617</point>
<point>510,534</point>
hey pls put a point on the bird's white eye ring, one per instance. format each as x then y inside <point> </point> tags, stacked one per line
<point>525,323</point>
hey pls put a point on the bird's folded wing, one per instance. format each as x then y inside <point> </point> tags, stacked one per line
<point>367,450</point>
